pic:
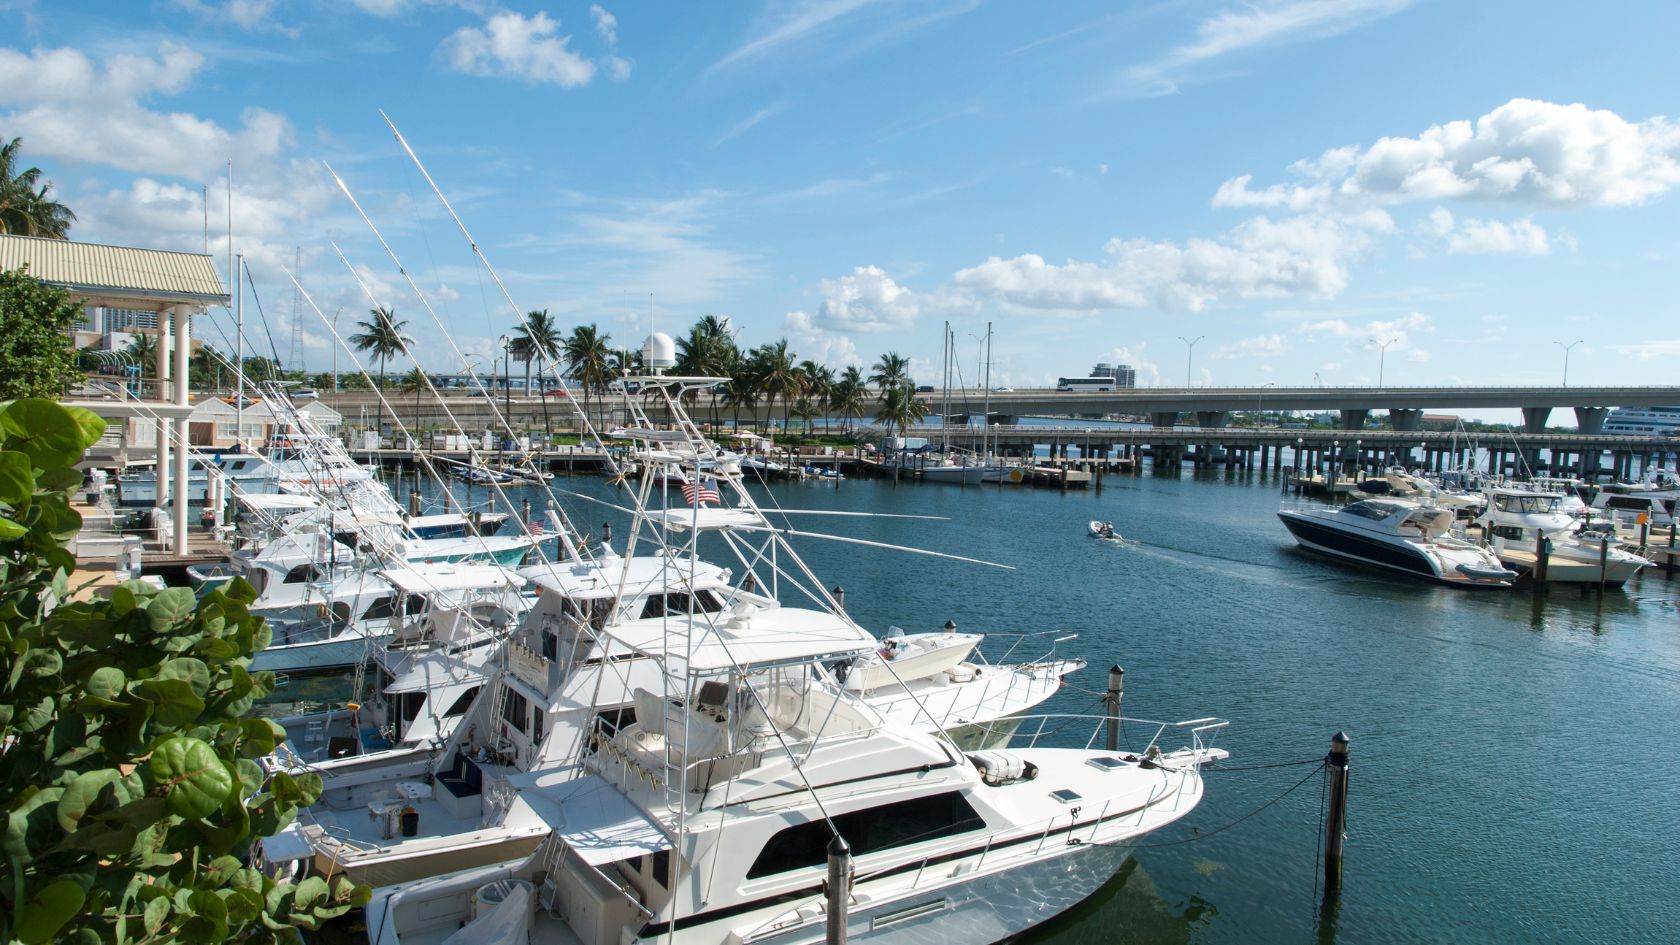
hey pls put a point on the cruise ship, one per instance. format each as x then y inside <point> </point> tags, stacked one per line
<point>1644,421</point>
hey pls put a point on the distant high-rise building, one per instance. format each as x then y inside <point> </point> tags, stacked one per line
<point>1123,375</point>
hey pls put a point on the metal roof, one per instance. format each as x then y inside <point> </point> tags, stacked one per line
<point>125,273</point>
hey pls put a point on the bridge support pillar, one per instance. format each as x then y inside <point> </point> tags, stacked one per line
<point>1590,420</point>
<point>1354,419</point>
<point>1406,421</point>
<point>1534,419</point>
<point>1212,419</point>
<point>1165,419</point>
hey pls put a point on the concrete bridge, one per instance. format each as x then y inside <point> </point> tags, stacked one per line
<point>1210,406</point>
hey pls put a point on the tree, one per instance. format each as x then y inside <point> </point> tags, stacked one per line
<point>900,409</point>
<point>129,779</point>
<point>25,207</point>
<point>35,348</point>
<point>708,350</point>
<point>848,397</point>
<point>776,377</point>
<point>587,359</point>
<point>537,337</point>
<point>806,410</point>
<point>818,383</point>
<point>142,353</point>
<point>382,336</point>
<point>891,372</point>
<point>416,382</point>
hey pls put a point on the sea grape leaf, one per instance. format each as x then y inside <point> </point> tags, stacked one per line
<point>193,776</point>
<point>48,910</point>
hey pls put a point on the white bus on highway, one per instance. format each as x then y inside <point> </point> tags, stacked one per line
<point>1086,383</point>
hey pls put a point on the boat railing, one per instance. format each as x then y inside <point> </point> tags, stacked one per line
<point>1051,728</point>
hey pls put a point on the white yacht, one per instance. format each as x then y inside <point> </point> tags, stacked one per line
<point>701,812</point>
<point>1516,520</point>
<point>1396,534</point>
<point>1643,421</point>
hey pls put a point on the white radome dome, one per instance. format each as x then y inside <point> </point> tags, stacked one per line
<point>659,352</point>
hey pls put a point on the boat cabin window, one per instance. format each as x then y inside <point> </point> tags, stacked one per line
<point>515,710</point>
<point>1371,510</point>
<point>600,611</point>
<point>462,704</point>
<point>871,830</point>
<point>302,574</point>
<point>409,703</point>
<point>662,867</point>
<point>1526,504</point>
<point>387,606</point>
<point>1508,532</point>
<point>1636,504</point>
<point>679,602</point>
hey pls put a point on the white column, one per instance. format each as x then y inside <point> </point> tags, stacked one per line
<point>163,426</point>
<point>183,487</point>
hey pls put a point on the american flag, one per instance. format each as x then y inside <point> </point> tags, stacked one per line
<point>701,494</point>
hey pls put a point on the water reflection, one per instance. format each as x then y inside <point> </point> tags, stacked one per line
<point>1128,908</point>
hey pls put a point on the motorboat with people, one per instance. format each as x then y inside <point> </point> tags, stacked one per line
<point>1396,534</point>
<point>1520,524</point>
<point>1104,531</point>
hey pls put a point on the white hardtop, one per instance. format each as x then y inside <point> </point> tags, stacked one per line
<point>590,814</point>
<point>277,501</point>
<point>746,635</point>
<point>603,577</point>
<point>706,518</point>
<point>431,578</point>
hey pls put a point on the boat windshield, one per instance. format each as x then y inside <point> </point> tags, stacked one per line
<point>1371,510</point>
<point>1526,504</point>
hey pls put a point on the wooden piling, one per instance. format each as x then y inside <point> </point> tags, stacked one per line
<point>838,891</point>
<point>1336,828</point>
<point>1603,561</point>
<point>1111,703</point>
<point>1542,562</point>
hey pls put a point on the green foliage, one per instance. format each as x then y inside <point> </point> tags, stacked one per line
<point>27,207</point>
<point>129,789</point>
<point>35,347</point>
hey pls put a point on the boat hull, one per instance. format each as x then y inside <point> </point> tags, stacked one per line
<point>1399,557</point>
<point>312,657</point>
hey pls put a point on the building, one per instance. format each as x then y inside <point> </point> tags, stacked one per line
<point>171,287</point>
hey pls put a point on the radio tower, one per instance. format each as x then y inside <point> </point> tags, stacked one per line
<point>295,356</point>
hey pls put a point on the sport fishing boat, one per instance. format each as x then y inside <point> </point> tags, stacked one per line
<point>1401,535</point>
<point>702,811</point>
<point>1516,520</point>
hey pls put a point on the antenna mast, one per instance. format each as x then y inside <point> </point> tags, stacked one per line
<point>295,356</point>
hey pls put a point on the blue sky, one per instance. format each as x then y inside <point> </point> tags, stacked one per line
<point>1291,181</point>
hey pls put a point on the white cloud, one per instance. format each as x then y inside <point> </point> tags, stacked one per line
<point>789,24</point>
<point>250,15</point>
<point>1663,350</point>
<point>868,300</point>
<point>514,46</point>
<point>1400,334</point>
<point>1526,152</point>
<point>823,347</point>
<point>1493,236</point>
<point>1060,171</point>
<point>606,25</point>
<point>1253,26</point>
<point>1259,346</point>
<point>71,106</point>
<point>1148,372</point>
<point>380,7</point>
<point>1260,258</point>
<point>1102,169</point>
<point>746,124</point>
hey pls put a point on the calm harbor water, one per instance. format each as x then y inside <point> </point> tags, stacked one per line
<point>1511,776</point>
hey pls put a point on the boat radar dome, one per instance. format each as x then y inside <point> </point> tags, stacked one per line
<point>659,352</point>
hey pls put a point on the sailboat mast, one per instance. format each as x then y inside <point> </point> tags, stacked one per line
<point>945,411</point>
<point>986,395</point>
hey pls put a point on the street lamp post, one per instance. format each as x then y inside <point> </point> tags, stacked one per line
<point>1566,349</point>
<point>1189,354</point>
<point>1382,356</point>
<point>1259,402</point>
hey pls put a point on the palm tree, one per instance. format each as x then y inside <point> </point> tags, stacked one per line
<point>25,207</point>
<point>819,384</point>
<point>741,392</point>
<point>588,359</point>
<point>382,337</point>
<point>775,375</point>
<point>806,410</point>
<point>537,338</point>
<point>891,372</point>
<point>848,397</point>
<point>415,382</point>
<point>901,409</point>
<point>142,351</point>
